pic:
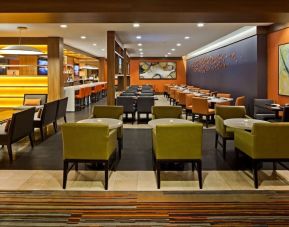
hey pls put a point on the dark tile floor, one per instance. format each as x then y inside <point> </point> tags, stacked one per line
<point>47,155</point>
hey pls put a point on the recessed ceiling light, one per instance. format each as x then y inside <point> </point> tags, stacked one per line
<point>200,25</point>
<point>94,44</point>
<point>1,56</point>
<point>83,37</point>
<point>138,37</point>
<point>140,49</point>
<point>179,44</point>
<point>141,53</point>
<point>139,44</point>
<point>187,37</point>
<point>102,49</point>
<point>173,49</point>
<point>169,53</point>
<point>63,25</point>
<point>166,55</point>
<point>136,25</point>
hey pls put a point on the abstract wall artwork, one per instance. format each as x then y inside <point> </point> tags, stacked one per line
<point>213,63</point>
<point>158,70</point>
<point>284,69</point>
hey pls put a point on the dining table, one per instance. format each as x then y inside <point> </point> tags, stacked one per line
<point>242,123</point>
<point>111,122</point>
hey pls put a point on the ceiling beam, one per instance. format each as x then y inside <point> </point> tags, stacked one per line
<point>169,11</point>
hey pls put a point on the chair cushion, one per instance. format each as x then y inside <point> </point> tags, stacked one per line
<point>211,111</point>
<point>32,102</point>
<point>2,130</point>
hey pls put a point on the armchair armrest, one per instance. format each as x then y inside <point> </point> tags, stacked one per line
<point>244,141</point>
<point>247,116</point>
<point>220,127</point>
<point>112,141</point>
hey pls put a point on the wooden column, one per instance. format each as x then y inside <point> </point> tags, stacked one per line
<point>101,70</point>
<point>124,66</point>
<point>55,68</point>
<point>110,67</point>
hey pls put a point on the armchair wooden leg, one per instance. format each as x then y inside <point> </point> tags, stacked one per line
<point>216,140</point>
<point>65,168</point>
<point>55,126</point>
<point>158,175</point>
<point>31,139</point>
<point>76,166</point>
<point>224,147</point>
<point>199,167</point>
<point>154,160</point>
<point>65,120</point>
<point>9,147</point>
<point>193,166</point>
<point>193,117</point>
<point>274,166</point>
<point>106,167</point>
<point>255,173</point>
<point>207,121</point>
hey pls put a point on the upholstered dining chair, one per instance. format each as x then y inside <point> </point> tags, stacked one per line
<point>223,95</point>
<point>128,103</point>
<point>267,142</point>
<point>172,93</point>
<point>200,106</point>
<point>115,112</point>
<point>20,126</point>
<point>166,112</point>
<point>61,110</point>
<point>48,116</point>
<point>144,105</point>
<point>260,110</point>
<point>285,117</point>
<point>182,99</point>
<point>226,133</point>
<point>189,104</point>
<point>84,143</point>
<point>177,143</point>
<point>240,101</point>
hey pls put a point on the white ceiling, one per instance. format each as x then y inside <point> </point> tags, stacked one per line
<point>157,39</point>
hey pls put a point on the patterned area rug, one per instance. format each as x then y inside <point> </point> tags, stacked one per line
<point>63,208</point>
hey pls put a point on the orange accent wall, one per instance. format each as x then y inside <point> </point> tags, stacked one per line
<point>273,41</point>
<point>158,84</point>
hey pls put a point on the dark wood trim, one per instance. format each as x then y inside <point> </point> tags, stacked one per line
<point>110,67</point>
<point>24,40</point>
<point>277,27</point>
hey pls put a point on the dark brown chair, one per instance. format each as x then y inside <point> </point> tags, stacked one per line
<point>61,110</point>
<point>21,126</point>
<point>285,117</point>
<point>47,117</point>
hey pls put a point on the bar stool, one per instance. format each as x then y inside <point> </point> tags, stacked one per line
<point>87,94</point>
<point>93,94</point>
<point>80,97</point>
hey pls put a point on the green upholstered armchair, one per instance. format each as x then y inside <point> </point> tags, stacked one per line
<point>266,142</point>
<point>115,112</point>
<point>87,143</point>
<point>178,143</point>
<point>166,112</point>
<point>226,133</point>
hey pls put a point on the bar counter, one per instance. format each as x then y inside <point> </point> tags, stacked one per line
<point>70,93</point>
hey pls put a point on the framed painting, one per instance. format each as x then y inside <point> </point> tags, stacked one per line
<point>283,69</point>
<point>157,70</point>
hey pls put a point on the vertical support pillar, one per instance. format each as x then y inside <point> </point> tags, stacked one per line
<point>102,70</point>
<point>110,67</point>
<point>124,66</point>
<point>55,68</point>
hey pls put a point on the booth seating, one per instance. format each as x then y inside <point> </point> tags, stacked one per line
<point>100,146</point>
<point>226,133</point>
<point>267,142</point>
<point>19,127</point>
<point>61,110</point>
<point>177,143</point>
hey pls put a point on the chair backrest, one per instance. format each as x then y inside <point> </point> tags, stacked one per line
<point>285,117</point>
<point>200,105</point>
<point>260,104</point>
<point>227,112</point>
<point>21,124</point>
<point>127,94</point>
<point>189,99</point>
<point>85,141</point>
<point>81,92</point>
<point>49,112</point>
<point>166,112</point>
<point>147,94</point>
<point>127,102</point>
<point>172,93</point>
<point>182,98</point>
<point>177,95</point>
<point>42,97</point>
<point>61,107</point>
<point>115,112</point>
<point>240,101</point>
<point>145,103</point>
<point>182,141</point>
<point>271,140</point>
<point>224,95</point>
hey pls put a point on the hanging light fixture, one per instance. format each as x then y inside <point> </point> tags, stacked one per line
<point>20,49</point>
